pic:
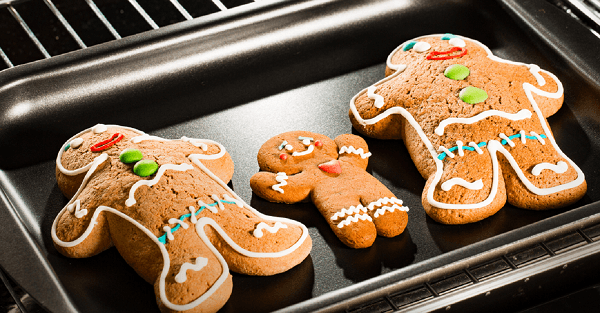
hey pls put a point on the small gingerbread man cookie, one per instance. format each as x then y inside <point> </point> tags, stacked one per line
<point>300,165</point>
<point>474,125</point>
<point>166,207</point>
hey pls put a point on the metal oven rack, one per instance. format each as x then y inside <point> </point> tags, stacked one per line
<point>40,29</point>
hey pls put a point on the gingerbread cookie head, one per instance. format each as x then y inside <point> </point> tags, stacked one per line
<point>298,166</point>
<point>457,107</point>
<point>166,206</point>
<point>294,152</point>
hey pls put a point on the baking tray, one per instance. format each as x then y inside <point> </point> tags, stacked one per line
<point>241,76</point>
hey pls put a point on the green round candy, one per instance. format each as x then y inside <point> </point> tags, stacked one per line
<point>130,156</point>
<point>457,72</point>
<point>472,95</point>
<point>145,168</point>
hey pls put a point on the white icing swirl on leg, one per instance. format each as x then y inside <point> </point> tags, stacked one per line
<point>379,102</point>
<point>476,185</point>
<point>559,168</point>
<point>281,177</point>
<point>272,229</point>
<point>199,264</point>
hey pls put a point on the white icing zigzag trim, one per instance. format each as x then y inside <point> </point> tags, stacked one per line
<point>350,211</point>
<point>493,145</point>
<point>272,229</point>
<point>351,149</point>
<point>384,209</point>
<point>354,219</point>
<point>75,208</point>
<point>181,167</point>
<point>521,115</point>
<point>559,168</point>
<point>281,177</point>
<point>200,263</point>
<point>379,102</point>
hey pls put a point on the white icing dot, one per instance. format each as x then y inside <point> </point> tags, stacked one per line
<point>289,147</point>
<point>421,46</point>
<point>457,42</point>
<point>306,142</point>
<point>76,143</point>
<point>99,129</point>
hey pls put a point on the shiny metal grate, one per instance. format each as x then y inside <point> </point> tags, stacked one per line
<point>40,29</point>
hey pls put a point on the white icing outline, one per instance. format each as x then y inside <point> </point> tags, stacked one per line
<point>476,185</point>
<point>353,150</point>
<point>521,115</point>
<point>258,233</point>
<point>195,158</point>
<point>281,177</point>
<point>492,149</point>
<point>559,168</point>
<point>75,209</point>
<point>149,182</point>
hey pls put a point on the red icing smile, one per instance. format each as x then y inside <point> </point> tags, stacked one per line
<point>455,52</point>
<point>106,143</point>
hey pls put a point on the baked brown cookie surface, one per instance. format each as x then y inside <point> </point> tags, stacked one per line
<point>300,166</point>
<point>475,127</point>
<point>166,207</point>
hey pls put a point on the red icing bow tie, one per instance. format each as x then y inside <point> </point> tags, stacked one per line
<point>445,55</point>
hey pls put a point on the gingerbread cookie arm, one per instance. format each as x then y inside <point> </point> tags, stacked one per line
<point>79,231</point>
<point>280,187</point>
<point>353,149</point>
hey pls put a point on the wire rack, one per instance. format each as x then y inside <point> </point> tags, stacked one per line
<point>40,29</point>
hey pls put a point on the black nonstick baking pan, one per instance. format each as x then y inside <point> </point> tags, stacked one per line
<point>244,75</point>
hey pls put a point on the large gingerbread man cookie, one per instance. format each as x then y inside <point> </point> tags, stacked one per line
<point>166,207</point>
<point>474,125</point>
<point>298,166</point>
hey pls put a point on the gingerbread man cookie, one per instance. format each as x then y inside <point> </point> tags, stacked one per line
<point>474,125</point>
<point>298,166</point>
<point>166,207</point>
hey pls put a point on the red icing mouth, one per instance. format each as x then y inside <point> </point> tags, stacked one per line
<point>455,52</point>
<point>102,145</point>
<point>332,167</point>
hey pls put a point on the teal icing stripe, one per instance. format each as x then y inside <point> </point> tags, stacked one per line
<point>163,238</point>
<point>443,155</point>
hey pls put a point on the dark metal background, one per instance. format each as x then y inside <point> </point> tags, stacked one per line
<point>242,76</point>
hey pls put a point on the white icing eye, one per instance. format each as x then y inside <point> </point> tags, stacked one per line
<point>289,147</point>
<point>306,142</point>
<point>421,46</point>
<point>76,143</point>
<point>457,42</point>
<point>99,129</point>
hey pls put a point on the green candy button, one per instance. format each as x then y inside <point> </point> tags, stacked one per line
<point>472,95</point>
<point>130,156</point>
<point>457,72</point>
<point>145,168</point>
